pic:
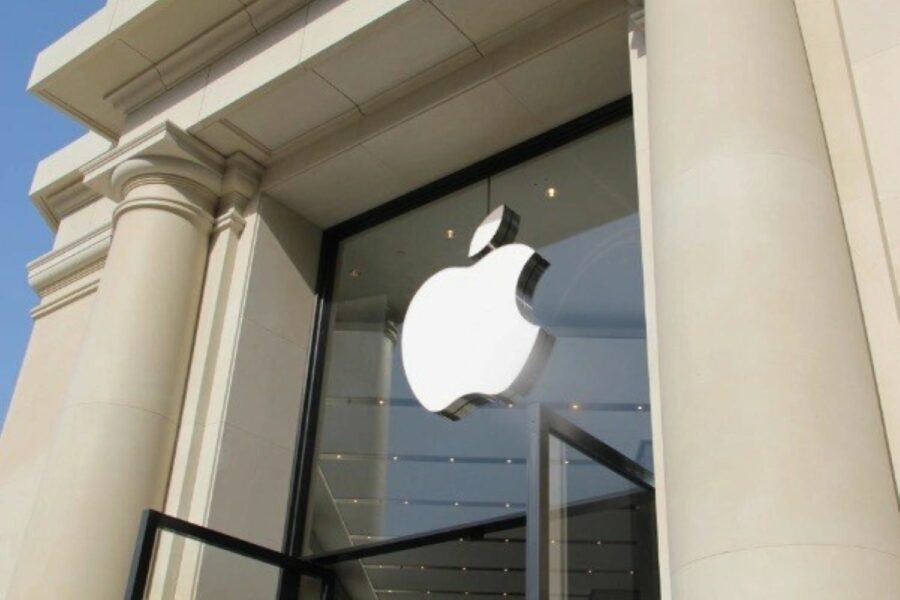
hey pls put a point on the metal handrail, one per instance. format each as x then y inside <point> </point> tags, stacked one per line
<point>153,521</point>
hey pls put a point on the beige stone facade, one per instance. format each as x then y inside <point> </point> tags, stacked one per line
<point>168,359</point>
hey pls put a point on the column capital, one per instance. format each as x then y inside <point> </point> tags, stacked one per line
<point>162,182</point>
<point>164,151</point>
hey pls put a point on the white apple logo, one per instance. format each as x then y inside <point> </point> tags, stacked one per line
<point>467,336</point>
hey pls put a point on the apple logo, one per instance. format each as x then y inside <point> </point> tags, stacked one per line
<point>468,336</point>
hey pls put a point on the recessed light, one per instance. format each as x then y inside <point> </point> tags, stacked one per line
<point>590,571</point>
<point>452,459</point>
<point>509,461</point>
<point>506,541</point>
<point>355,501</point>
<point>340,456</point>
<point>396,458</point>
<point>381,402</point>
<point>567,461</point>
<point>450,234</point>
<point>507,505</point>
<point>463,569</point>
<point>550,193</point>
<point>456,504</point>
<point>354,273</point>
<point>640,407</point>
<point>406,502</point>
<point>575,406</point>
<point>505,570</point>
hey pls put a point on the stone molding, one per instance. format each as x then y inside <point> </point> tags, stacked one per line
<point>71,262</point>
<point>70,272</point>
<point>57,204</point>
<point>202,51</point>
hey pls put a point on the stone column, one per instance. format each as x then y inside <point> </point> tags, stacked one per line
<point>113,450</point>
<point>778,479</point>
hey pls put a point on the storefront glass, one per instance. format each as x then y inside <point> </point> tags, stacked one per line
<point>386,467</point>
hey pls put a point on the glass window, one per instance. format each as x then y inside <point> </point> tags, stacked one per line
<point>385,466</point>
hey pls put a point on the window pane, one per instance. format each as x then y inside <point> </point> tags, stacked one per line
<point>602,531</point>
<point>386,466</point>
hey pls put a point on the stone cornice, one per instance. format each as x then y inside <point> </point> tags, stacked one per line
<point>66,197</point>
<point>208,47</point>
<point>117,92</point>
<point>65,265</point>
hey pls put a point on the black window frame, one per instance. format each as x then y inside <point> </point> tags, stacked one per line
<point>305,445</point>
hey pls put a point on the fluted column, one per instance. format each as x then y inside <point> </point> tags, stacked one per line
<point>112,454</point>
<point>778,479</point>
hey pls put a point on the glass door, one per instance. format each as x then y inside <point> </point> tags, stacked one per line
<point>590,519</point>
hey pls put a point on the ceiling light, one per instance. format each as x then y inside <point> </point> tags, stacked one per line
<point>509,461</point>
<point>507,505</point>
<point>340,456</point>
<point>456,504</point>
<point>355,501</point>
<point>396,458</point>
<point>550,193</point>
<point>354,273</point>
<point>575,406</point>
<point>640,407</point>
<point>381,402</point>
<point>450,234</point>
<point>452,459</point>
<point>406,502</point>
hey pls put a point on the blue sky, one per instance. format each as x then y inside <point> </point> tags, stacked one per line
<point>31,131</point>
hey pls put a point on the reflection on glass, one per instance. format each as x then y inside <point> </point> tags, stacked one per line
<point>214,573</point>
<point>387,467</point>
<point>490,567</point>
<point>602,531</point>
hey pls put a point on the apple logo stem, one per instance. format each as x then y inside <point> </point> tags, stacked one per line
<point>468,336</point>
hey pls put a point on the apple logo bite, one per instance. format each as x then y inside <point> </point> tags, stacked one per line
<point>468,336</point>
